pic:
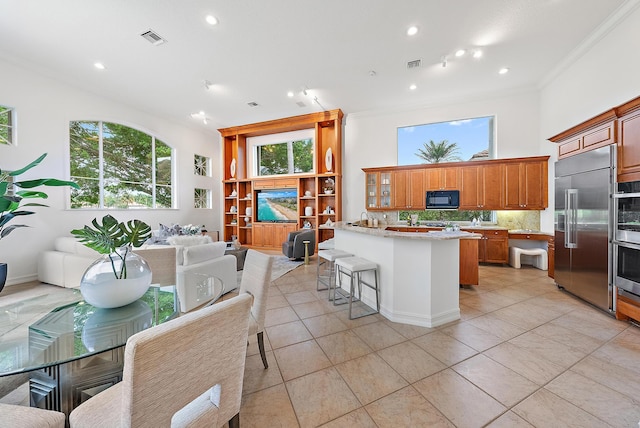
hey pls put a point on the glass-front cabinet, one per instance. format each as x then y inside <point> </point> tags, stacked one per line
<point>378,190</point>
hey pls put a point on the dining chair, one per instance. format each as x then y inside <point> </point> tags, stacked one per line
<point>187,372</point>
<point>162,262</point>
<point>30,417</point>
<point>256,278</point>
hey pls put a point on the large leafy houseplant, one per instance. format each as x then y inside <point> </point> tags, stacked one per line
<point>11,205</point>
<point>115,239</point>
<point>11,200</point>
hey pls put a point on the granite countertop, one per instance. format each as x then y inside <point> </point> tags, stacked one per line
<point>426,235</point>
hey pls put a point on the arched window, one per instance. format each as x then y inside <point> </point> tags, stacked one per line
<point>119,167</point>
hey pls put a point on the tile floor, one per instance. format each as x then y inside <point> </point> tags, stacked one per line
<point>524,354</point>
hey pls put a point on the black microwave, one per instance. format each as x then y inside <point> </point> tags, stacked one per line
<point>443,199</point>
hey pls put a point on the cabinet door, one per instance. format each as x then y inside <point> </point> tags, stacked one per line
<point>372,189</point>
<point>497,246</point>
<point>525,185</point>
<point>629,147</point>
<point>470,187</point>
<point>492,185</point>
<point>449,178</point>
<point>512,186</point>
<point>416,191</point>
<point>400,180</point>
<point>432,179</point>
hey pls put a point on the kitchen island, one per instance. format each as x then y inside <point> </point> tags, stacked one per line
<point>418,271</point>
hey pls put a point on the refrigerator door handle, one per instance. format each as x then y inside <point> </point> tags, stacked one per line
<point>571,204</point>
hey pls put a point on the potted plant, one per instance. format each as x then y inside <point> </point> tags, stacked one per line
<point>11,201</point>
<point>120,276</point>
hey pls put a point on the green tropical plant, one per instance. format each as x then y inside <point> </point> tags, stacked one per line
<point>11,205</point>
<point>439,152</point>
<point>110,236</point>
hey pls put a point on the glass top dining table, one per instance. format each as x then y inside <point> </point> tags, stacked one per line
<point>56,328</point>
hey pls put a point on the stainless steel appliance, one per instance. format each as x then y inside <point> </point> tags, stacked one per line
<point>442,199</point>
<point>583,225</point>
<point>626,244</point>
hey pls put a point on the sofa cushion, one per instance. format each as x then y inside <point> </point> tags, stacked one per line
<point>200,253</point>
<point>188,240</point>
<point>69,244</point>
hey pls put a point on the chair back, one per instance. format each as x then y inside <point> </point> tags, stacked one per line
<point>162,262</point>
<point>171,365</point>
<point>256,278</point>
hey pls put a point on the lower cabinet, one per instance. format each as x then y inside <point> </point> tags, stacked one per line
<point>551,256</point>
<point>271,235</point>
<point>493,247</point>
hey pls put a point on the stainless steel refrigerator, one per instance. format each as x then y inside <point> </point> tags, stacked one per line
<point>583,225</point>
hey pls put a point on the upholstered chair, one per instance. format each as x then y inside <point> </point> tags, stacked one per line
<point>30,417</point>
<point>162,262</point>
<point>293,247</point>
<point>256,278</point>
<point>186,372</point>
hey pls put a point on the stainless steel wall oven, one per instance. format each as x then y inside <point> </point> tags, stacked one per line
<point>626,244</point>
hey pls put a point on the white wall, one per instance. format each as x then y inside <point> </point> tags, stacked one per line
<point>370,139</point>
<point>607,75</point>
<point>44,108</point>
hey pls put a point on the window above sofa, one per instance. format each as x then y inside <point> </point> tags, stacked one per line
<point>119,167</point>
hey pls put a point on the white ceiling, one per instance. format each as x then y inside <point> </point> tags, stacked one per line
<point>262,49</point>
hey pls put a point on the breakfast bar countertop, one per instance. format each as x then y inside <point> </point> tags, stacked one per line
<point>426,235</point>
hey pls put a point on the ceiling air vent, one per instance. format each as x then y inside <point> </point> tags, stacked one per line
<point>153,38</point>
<point>252,104</point>
<point>301,104</point>
<point>416,63</point>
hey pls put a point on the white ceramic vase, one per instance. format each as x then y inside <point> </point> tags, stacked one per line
<point>100,287</point>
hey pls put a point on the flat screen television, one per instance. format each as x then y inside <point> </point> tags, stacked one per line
<point>277,205</point>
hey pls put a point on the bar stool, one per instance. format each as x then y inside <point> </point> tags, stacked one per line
<point>324,282</point>
<point>354,267</point>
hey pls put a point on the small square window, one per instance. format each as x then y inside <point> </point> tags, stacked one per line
<point>201,165</point>
<point>202,198</point>
<point>7,125</point>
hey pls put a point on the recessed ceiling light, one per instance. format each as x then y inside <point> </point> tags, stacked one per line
<point>211,20</point>
<point>412,31</point>
<point>99,66</point>
<point>503,70</point>
<point>290,94</point>
<point>477,53</point>
<point>460,52</point>
<point>413,87</point>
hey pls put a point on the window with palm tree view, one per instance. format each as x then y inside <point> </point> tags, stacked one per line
<point>453,141</point>
<point>118,167</point>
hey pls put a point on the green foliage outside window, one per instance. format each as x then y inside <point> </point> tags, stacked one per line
<point>446,215</point>
<point>292,157</point>
<point>128,164</point>
<point>6,125</point>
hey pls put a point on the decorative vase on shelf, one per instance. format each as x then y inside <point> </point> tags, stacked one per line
<point>233,168</point>
<point>328,159</point>
<point>103,288</point>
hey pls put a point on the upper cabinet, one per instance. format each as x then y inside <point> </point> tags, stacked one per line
<point>498,184</point>
<point>526,185</point>
<point>629,141</point>
<point>408,189</point>
<point>620,126</point>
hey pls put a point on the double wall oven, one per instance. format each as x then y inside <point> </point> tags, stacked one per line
<point>626,243</point>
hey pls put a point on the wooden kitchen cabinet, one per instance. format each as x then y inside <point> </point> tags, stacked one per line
<point>596,132</point>
<point>445,178</point>
<point>271,234</point>
<point>408,189</point>
<point>551,256</point>
<point>481,187</point>
<point>379,190</point>
<point>493,247</point>
<point>629,142</point>
<point>526,185</point>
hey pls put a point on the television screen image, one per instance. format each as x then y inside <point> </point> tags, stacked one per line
<point>278,205</point>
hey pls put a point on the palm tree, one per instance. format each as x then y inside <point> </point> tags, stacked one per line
<point>438,152</point>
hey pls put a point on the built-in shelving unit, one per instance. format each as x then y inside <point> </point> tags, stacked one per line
<point>320,192</point>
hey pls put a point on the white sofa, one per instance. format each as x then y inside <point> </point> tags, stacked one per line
<point>67,262</point>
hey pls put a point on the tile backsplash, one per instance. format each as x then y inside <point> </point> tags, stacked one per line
<point>519,219</point>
